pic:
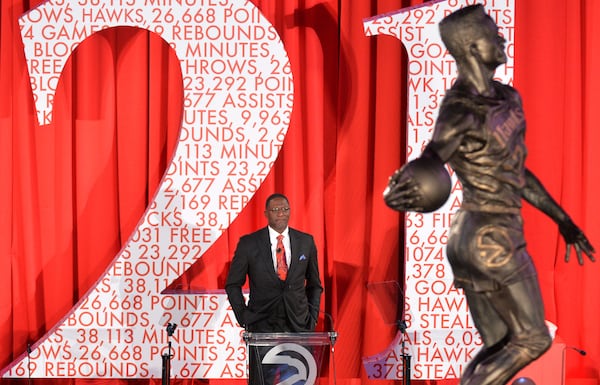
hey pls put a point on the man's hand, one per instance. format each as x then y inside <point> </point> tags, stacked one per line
<point>575,237</point>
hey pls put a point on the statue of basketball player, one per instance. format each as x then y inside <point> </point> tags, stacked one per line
<point>480,134</point>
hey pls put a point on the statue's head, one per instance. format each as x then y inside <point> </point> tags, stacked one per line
<point>460,29</point>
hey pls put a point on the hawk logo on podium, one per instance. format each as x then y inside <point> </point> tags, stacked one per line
<point>305,369</point>
<point>287,358</point>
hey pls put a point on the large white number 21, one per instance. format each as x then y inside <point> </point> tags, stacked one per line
<point>238,87</point>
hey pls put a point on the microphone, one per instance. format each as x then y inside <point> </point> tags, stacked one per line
<point>580,351</point>
<point>171,328</point>
<point>278,250</point>
<point>402,326</point>
<point>328,317</point>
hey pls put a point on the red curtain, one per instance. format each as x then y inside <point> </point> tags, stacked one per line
<point>72,192</point>
<point>556,53</point>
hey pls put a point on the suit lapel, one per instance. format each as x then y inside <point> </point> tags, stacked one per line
<point>295,246</point>
<point>265,252</point>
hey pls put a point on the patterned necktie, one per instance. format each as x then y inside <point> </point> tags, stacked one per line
<point>282,267</point>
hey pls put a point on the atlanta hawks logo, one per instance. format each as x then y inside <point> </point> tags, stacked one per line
<point>301,365</point>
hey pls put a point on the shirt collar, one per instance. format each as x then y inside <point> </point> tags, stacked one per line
<point>273,234</point>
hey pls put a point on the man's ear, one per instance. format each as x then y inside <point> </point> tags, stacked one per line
<point>474,50</point>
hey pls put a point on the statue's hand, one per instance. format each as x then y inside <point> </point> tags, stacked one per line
<point>575,237</point>
<point>402,192</point>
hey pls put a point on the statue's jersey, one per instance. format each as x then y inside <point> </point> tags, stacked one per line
<point>489,162</point>
<point>483,140</point>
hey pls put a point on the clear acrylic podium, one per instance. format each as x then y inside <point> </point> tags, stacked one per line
<point>286,358</point>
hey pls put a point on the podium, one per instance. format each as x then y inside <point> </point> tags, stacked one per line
<point>286,358</point>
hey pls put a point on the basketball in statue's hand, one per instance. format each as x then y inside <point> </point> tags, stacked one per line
<point>432,182</point>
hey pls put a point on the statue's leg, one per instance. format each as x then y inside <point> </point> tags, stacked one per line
<point>489,324</point>
<point>521,309</point>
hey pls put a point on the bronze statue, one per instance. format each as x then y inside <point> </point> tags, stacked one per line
<point>479,132</point>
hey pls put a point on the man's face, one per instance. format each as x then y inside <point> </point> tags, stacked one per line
<point>278,214</point>
<point>490,46</point>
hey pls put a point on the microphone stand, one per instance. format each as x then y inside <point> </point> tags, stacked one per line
<point>29,363</point>
<point>166,357</point>
<point>332,338</point>
<point>405,357</point>
<point>333,335</point>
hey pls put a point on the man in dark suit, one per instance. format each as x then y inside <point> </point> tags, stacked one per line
<point>285,288</point>
<point>275,304</point>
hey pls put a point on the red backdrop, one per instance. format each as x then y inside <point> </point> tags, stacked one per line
<point>63,217</point>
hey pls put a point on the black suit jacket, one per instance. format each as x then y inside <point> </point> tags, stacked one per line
<point>299,294</point>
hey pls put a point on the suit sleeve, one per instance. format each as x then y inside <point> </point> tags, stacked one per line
<point>313,284</point>
<point>236,278</point>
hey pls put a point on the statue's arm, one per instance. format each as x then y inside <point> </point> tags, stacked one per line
<point>451,125</point>
<point>535,193</point>
<point>403,192</point>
